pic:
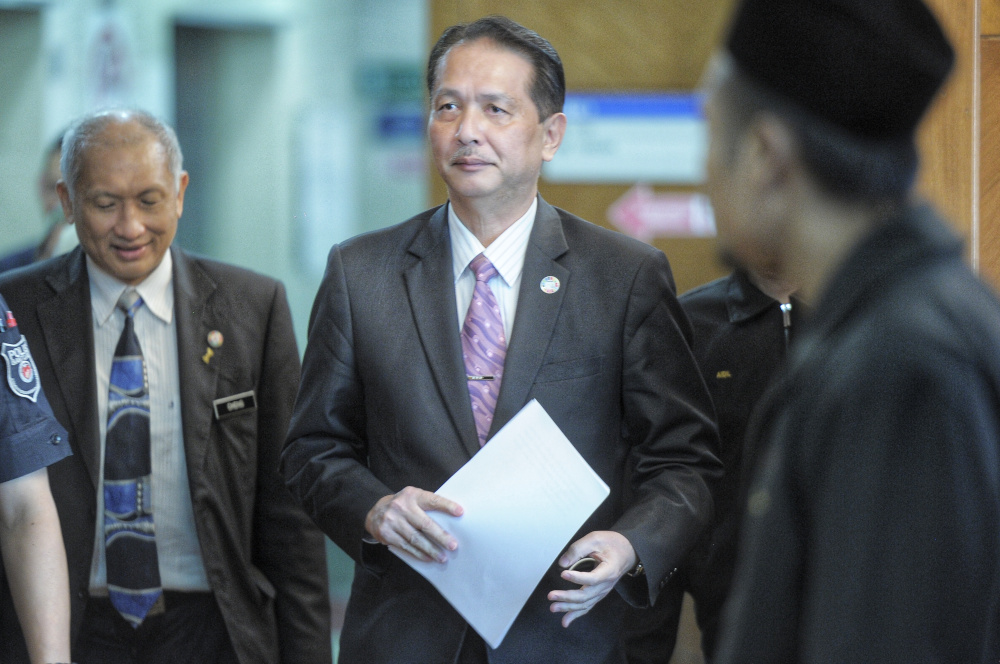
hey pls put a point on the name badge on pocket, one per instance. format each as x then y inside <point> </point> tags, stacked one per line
<point>238,404</point>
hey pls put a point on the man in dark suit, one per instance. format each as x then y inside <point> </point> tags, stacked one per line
<point>872,518</point>
<point>239,570</point>
<point>429,336</point>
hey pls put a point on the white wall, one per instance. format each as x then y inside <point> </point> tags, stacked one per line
<point>21,94</point>
<point>296,158</point>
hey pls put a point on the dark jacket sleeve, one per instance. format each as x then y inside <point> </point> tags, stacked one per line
<point>325,460</point>
<point>287,548</point>
<point>669,421</point>
<point>879,490</point>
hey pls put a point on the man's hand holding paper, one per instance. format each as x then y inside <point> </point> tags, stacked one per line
<point>528,486</point>
<point>401,521</point>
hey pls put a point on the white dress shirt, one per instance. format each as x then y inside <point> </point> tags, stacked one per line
<point>178,551</point>
<point>507,255</point>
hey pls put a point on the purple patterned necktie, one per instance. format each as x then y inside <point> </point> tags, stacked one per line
<point>484,347</point>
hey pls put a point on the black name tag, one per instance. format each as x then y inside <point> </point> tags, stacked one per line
<point>238,404</point>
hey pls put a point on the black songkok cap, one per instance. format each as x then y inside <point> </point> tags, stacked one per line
<point>869,66</point>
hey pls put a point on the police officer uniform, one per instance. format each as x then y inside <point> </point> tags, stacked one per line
<point>30,436</point>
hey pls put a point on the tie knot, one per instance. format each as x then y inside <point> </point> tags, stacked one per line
<point>483,268</point>
<point>129,302</point>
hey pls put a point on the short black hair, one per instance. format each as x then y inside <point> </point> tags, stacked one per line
<point>846,165</point>
<point>547,90</point>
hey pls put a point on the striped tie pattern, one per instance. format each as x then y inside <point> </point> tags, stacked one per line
<point>484,347</point>
<point>129,535</point>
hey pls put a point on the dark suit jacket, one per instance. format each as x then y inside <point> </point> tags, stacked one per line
<point>872,528</point>
<point>384,404</point>
<point>265,561</point>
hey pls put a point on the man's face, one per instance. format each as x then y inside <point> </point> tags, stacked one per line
<point>125,204</point>
<point>485,133</point>
<point>720,183</point>
<point>746,228</point>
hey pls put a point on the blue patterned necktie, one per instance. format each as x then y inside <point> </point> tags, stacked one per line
<point>129,535</point>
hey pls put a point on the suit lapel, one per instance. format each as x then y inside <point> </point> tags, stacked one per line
<point>430,284</point>
<point>66,323</point>
<point>192,289</point>
<point>536,315</point>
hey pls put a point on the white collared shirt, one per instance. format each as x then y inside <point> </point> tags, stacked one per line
<point>178,551</point>
<point>507,255</point>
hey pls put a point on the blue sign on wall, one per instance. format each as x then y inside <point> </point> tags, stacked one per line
<point>631,137</point>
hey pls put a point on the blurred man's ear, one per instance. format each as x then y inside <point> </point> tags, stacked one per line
<point>181,188</point>
<point>773,150</point>
<point>770,157</point>
<point>65,200</point>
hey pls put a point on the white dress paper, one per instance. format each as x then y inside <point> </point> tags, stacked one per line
<point>525,494</point>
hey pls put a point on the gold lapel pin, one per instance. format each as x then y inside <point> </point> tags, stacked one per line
<point>215,340</point>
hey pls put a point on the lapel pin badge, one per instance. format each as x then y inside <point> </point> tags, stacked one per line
<point>214,341</point>
<point>549,285</point>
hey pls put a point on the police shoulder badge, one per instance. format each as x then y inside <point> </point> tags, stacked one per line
<point>22,375</point>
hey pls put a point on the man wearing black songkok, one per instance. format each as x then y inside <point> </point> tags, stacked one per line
<point>872,526</point>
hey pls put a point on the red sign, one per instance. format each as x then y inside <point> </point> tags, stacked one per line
<point>644,214</point>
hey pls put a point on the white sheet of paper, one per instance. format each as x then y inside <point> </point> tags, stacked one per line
<point>525,494</point>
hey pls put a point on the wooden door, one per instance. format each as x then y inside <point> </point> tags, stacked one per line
<point>989,142</point>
